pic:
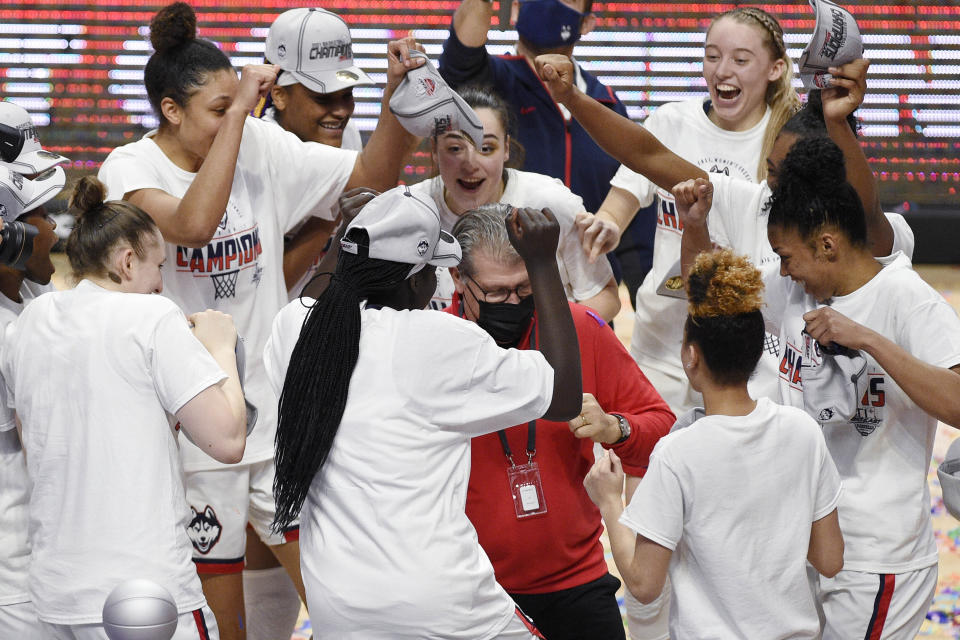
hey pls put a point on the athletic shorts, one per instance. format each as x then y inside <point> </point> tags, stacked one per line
<point>222,502</point>
<point>19,621</point>
<point>649,621</point>
<point>873,606</point>
<point>194,625</point>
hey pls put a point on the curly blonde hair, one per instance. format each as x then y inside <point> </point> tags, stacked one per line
<point>722,283</point>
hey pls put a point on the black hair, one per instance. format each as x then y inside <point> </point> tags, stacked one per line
<point>812,193</point>
<point>486,97</point>
<point>101,226</point>
<point>315,389</point>
<point>808,121</point>
<point>181,62</point>
<point>725,295</point>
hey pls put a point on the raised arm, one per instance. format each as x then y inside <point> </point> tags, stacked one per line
<point>378,165</point>
<point>642,563</point>
<point>694,199</point>
<point>620,137</point>
<point>850,86</point>
<point>535,235</point>
<point>192,220</point>
<point>471,21</point>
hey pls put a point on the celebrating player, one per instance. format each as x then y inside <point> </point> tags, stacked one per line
<point>375,445</point>
<point>470,177</point>
<point>738,496</point>
<point>107,501</point>
<point>830,291</point>
<point>223,189</point>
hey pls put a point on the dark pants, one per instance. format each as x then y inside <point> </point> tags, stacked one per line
<point>587,612</point>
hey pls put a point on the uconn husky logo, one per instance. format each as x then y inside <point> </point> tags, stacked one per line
<point>204,529</point>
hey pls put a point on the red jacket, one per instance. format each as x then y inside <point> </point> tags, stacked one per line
<point>561,549</point>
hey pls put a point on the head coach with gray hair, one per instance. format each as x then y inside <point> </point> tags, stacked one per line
<point>539,528</point>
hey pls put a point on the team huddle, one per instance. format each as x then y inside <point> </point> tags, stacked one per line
<point>404,406</point>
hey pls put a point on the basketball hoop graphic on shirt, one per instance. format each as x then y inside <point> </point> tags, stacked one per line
<point>222,260</point>
<point>225,284</point>
<point>771,344</point>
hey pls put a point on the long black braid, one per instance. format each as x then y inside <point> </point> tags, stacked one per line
<point>318,377</point>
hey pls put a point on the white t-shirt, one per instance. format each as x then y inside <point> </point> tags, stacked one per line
<point>352,142</point>
<point>386,548</point>
<point>14,483</point>
<point>738,220</point>
<point>883,453</point>
<point>734,498</point>
<point>581,280</point>
<point>685,129</point>
<point>108,498</point>
<point>240,271</point>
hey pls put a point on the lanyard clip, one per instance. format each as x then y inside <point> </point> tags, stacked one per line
<point>530,454</point>
<point>510,458</point>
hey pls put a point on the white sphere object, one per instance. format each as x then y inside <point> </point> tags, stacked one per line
<point>140,609</point>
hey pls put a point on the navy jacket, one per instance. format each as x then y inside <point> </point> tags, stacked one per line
<point>553,146</point>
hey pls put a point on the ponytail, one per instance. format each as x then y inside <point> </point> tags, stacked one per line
<point>318,377</point>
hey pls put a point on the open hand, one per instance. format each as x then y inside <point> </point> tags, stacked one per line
<point>557,74</point>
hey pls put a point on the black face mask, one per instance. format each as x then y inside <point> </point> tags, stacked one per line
<point>505,322</point>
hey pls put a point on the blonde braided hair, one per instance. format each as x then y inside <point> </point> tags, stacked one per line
<point>781,98</point>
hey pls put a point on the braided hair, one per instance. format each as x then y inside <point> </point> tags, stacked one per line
<point>318,377</point>
<point>781,97</point>
<point>812,193</point>
<point>725,293</point>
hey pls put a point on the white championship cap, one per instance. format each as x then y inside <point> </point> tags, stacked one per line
<point>19,195</point>
<point>33,158</point>
<point>835,41</point>
<point>426,106</point>
<point>949,474</point>
<point>313,48</point>
<point>404,228</point>
<point>832,391</point>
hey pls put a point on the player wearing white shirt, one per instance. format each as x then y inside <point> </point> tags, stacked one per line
<point>748,74</point>
<point>19,285</point>
<point>224,188</point>
<point>839,294</point>
<point>734,527</point>
<point>107,500</point>
<point>312,98</point>
<point>374,446</point>
<point>470,177</point>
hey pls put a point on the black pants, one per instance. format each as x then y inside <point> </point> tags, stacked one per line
<point>587,612</point>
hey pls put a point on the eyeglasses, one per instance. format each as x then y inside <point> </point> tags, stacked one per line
<point>502,294</point>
